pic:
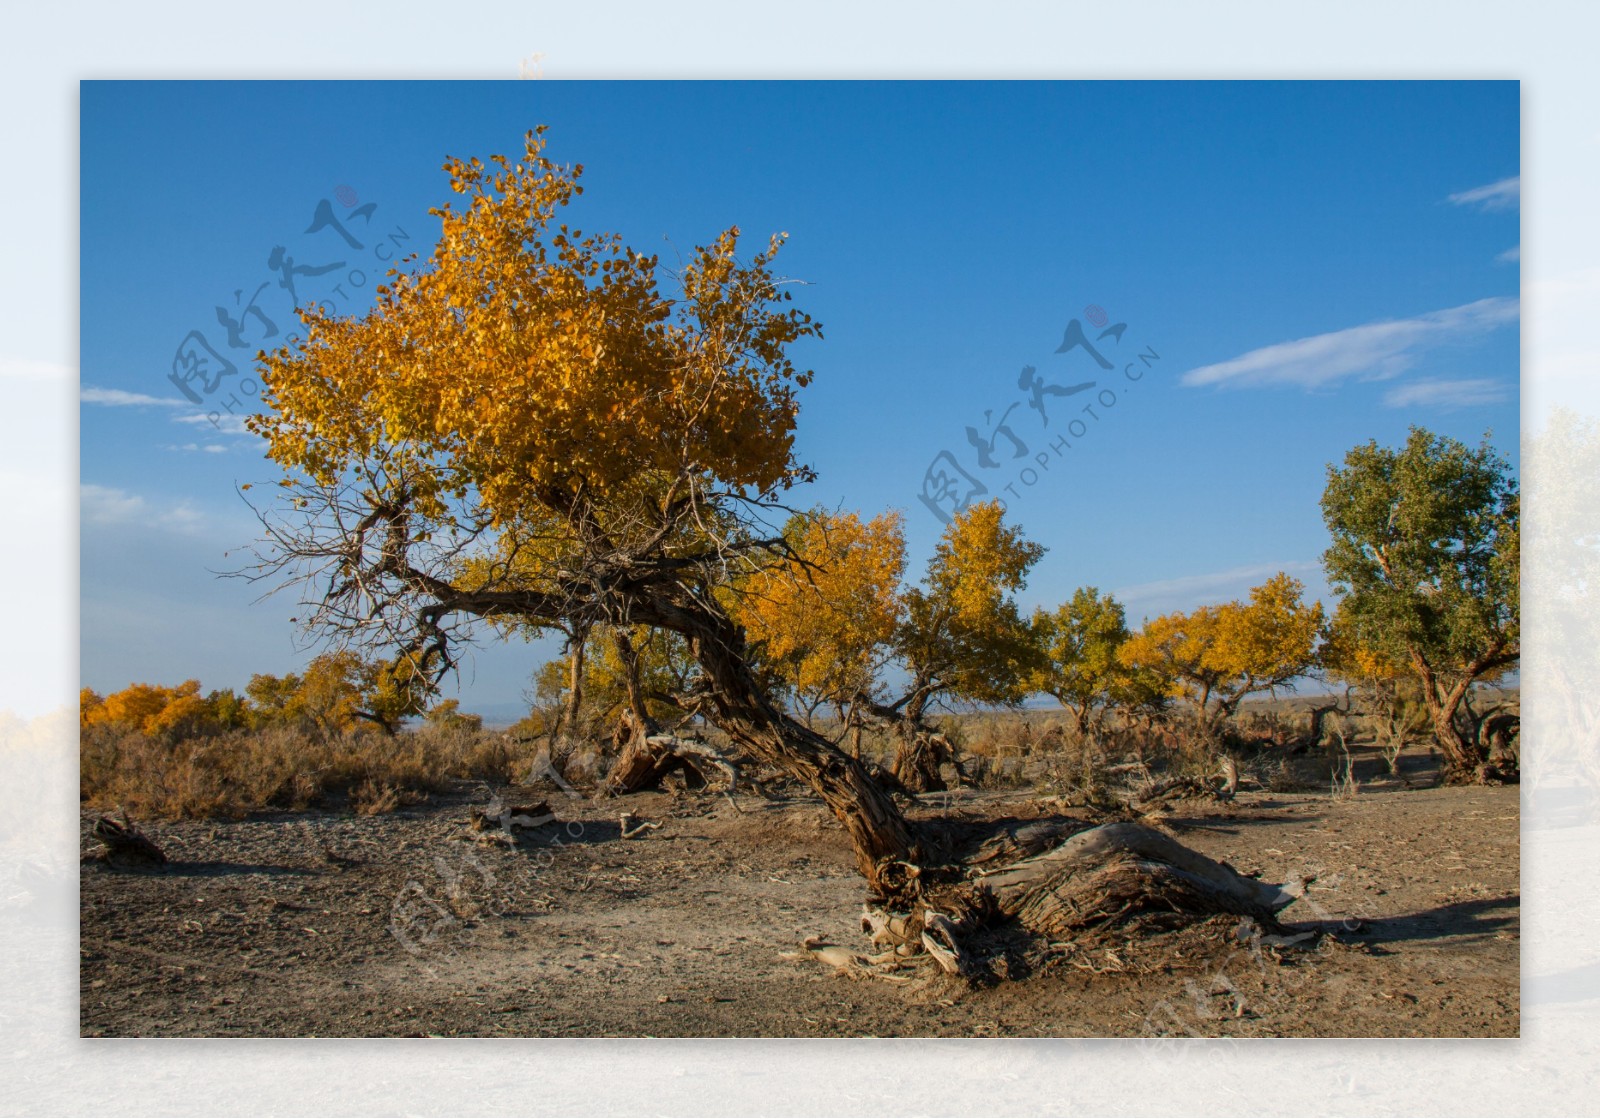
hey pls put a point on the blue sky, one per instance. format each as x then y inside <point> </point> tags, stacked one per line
<point>1316,264</point>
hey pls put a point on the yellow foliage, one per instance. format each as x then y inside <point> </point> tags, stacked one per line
<point>824,617</point>
<point>1228,651</point>
<point>963,636</point>
<point>527,363</point>
<point>979,563</point>
<point>147,708</point>
<point>1344,656</point>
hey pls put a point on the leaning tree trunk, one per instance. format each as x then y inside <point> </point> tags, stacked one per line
<point>1461,756</point>
<point>1112,871</point>
<point>886,848</point>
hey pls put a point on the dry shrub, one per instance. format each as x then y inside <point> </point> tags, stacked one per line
<point>1082,767</point>
<point>373,798</point>
<point>235,773</point>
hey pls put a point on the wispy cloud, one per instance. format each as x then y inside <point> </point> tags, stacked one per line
<point>221,424</point>
<point>107,505</point>
<point>118,398</point>
<point>1212,587</point>
<point>209,448</point>
<point>1375,350</point>
<point>1469,392</point>
<point>1511,255</point>
<point>1503,195</point>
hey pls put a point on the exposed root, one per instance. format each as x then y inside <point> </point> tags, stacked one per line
<point>498,815</point>
<point>939,941</point>
<point>887,966</point>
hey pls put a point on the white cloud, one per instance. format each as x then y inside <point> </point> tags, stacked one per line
<point>209,448</point>
<point>1374,350</point>
<point>220,423</point>
<point>1212,587</point>
<point>107,505</point>
<point>1511,255</point>
<point>118,398</point>
<point>1468,392</point>
<point>1503,195</point>
<point>102,505</point>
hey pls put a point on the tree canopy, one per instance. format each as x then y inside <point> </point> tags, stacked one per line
<point>1215,656</point>
<point>824,619</point>
<point>526,419</point>
<point>1079,643</point>
<point>963,636</point>
<point>1426,552</point>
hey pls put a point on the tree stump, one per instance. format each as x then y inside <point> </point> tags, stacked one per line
<point>1112,872</point>
<point>126,846</point>
<point>1058,890</point>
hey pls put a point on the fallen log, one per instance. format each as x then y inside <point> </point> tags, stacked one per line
<point>1109,873</point>
<point>499,816</point>
<point>127,846</point>
<point>648,758</point>
<point>635,826</point>
<point>1100,877</point>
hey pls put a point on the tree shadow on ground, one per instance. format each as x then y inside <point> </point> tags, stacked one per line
<point>1479,917</point>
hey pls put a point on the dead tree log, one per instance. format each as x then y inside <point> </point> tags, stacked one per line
<point>1319,716</point>
<point>126,845</point>
<point>1099,878</point>
<point>504,817</point>
<point>921,754</point>
<point>647,758</point>
<point>1109,873</point>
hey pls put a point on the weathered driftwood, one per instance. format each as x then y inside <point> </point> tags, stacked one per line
<point>498,815</point>
<point>1114,871</point>
<point>647,758</point>
<point>635,826</point>
<point>1230,779</point>
<point>1224,786</point>
<point>1023,839</point>
<point>1100,876</point>
<point>126,845</point>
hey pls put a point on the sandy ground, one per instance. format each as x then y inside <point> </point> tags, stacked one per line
<point>326,924</point>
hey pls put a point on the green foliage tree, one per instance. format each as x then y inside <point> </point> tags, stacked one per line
<point>1078,644</point>
<point>1425,551</point>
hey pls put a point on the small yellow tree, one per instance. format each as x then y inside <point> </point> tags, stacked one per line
<point>1215,656</point>
<point>962,637</point>
<point>150,709</point>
